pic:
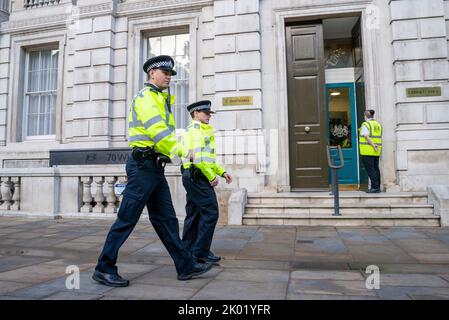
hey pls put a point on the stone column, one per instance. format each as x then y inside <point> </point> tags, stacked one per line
<point>6,192</point>
<point>121,180</point>
<point>16,196</point>
<point>87,195</point>
<point>99,196</point>
<point>111,198</point>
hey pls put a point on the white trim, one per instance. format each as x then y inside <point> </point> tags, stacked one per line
<point>19,43</point>
<point>137,31</point>
<point>370,73</point>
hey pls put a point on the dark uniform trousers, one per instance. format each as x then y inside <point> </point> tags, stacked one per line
<point>201,215</point>
<point>148,186</point>
<point>371,164</point>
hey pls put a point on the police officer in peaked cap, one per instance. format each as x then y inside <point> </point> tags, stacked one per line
<point>153,142</point>
<point>200,172</point>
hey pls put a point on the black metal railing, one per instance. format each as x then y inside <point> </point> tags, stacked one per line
<point>39,3</point>
<point>334,169</point>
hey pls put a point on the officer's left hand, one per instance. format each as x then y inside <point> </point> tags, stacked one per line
<point>228,178</point>
<point>214,182</point>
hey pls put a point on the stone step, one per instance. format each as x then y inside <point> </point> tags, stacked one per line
<point>326,209</point>
<point>345,198</point>
<point>388,220</point>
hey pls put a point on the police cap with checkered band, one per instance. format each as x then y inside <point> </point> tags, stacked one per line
<point>160,62</point>
<point>204,105</point>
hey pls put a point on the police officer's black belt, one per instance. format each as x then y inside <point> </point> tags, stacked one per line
<point>142,154</point>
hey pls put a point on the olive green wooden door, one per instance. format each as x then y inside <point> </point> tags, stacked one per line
<point>306,107</point>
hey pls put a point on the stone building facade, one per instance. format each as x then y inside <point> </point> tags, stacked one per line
<point>78,64</point>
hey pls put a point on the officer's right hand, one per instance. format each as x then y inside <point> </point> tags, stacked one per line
<point>376,148</point>
<point>214,182</point>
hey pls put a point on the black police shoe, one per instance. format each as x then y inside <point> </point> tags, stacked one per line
<point>111,280</point>
<point>373,191</point>
<point>211,258</point>
<point>198,268</point>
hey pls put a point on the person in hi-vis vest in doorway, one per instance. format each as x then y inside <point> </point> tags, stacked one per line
<point>370,145</point>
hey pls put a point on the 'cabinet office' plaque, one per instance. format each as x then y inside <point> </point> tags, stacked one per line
<point>423,92</point>
<point>238,101</point>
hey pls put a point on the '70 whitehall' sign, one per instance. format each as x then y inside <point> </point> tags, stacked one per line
<point>89,156</point>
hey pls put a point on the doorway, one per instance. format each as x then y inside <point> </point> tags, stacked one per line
<point>325,99</point>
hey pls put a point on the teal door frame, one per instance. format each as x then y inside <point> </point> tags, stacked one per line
<point>349,174</point>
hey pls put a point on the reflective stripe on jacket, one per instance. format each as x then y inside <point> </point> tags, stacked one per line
<point>375,133</point>
<point>151,122</point>
<point>199,140</point>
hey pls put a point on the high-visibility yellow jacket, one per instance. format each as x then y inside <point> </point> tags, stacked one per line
<point>151,122</point>
<point>375,134</point>
<point>199,140</point>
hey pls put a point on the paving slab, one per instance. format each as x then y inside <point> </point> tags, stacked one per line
<point>166,276</point>
<point>153,292</point>
<point>412,280</point>
<point>419,246</point>
<point>256,275</point>
<point>397,233</point>
<point>442,237</point>
<point>286,235</point>
<point>379,253</point>
<point>276,251</point>
<point>10,286</point>
<point>329,245</point>
<point>431,257</point>
<point>73,296</point>
<point>34,274</point>
<point>15,262</point>
<point>327,275</point>
<point>241,290</point>
<point>156,248</point>
<point>324,286</point>
<point>403,268</point>
<point>407,293</point>
<point>254,264</point>
<point>300,296</point>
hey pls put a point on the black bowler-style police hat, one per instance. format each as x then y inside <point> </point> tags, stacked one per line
<point>160,62</point>
<point>204,105</point>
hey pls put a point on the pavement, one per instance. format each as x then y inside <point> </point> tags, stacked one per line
<point>259,263</point>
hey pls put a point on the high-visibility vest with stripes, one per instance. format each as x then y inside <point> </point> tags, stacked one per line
<point>151,123</point>
<point>199,141</point>
<point>375,134</point>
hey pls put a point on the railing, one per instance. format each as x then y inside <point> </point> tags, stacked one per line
<point>39,3</point>
<point>4,5</point>
<point>10,193</point>
<point>105,200</point>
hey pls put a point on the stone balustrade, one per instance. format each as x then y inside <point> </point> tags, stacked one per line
<point>39,3</point>
<point>4,5</point>
<point>10,193</point>
<point>103,198</point>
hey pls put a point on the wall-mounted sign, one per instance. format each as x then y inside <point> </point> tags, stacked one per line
<point>238,101</point>
<point>423,92</point>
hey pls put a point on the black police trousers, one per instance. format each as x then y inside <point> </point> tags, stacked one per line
<point>371,164</point>
<point>148,186</point>
<point>201,215</point>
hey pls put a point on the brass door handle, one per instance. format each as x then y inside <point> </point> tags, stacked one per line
<point>307,129</point>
